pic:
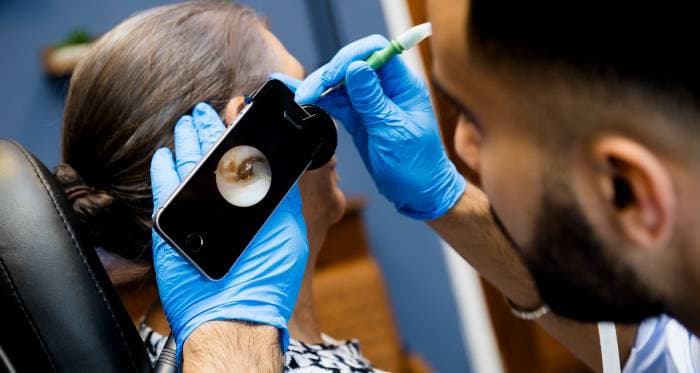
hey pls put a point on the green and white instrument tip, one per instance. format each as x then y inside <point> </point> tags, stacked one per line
<point>406,40</point>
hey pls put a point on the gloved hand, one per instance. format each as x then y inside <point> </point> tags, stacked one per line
<point>262,286</point>
<point>390,117</point>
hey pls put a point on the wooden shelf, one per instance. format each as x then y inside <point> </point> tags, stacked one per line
<point>61,61</point>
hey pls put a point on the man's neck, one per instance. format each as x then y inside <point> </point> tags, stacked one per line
<point>688,315</point>
<point>683,284</point>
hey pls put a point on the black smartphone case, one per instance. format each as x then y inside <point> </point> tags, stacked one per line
<point>213,233</point>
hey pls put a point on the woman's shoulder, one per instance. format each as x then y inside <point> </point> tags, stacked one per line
<point>331,355</point>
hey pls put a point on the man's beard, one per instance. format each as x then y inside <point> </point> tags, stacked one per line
<point>574,276</point>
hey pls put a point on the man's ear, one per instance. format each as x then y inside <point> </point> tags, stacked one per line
<point>631,189</point>
<point>467,141</point>
<point>233,108</point>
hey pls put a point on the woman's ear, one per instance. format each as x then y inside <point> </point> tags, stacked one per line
<point>233,108</point>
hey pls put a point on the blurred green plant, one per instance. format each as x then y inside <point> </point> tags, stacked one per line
<point>77,36</point>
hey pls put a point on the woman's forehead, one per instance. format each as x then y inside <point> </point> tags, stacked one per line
<point>287,63</point>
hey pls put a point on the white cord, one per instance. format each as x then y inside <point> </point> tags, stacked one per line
<point>609,352</point>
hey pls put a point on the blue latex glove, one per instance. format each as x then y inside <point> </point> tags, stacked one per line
<point>262,286</point>
<point>391,119</point>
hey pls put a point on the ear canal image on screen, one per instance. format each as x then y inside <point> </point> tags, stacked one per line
<point>243,176</point>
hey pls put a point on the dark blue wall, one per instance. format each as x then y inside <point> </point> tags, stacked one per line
<point>31,107</point>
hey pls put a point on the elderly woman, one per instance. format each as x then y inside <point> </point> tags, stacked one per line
<point>123,103</point>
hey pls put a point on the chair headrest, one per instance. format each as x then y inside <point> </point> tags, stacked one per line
<point>59,309</point>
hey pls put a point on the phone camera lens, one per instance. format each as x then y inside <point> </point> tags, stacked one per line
<point>194,242</point>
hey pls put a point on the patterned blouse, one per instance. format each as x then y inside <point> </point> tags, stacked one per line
<point>329,356</point>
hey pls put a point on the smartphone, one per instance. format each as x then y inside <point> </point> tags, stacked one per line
<point>222,204</point>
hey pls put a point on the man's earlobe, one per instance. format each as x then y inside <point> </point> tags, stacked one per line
<point>638,189</point>
<point>233,108</point>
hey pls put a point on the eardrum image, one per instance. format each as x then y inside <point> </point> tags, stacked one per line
<point>243,176</point>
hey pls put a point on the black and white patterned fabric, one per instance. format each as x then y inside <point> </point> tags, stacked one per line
<point>153,340</point>
<point>330,356</point>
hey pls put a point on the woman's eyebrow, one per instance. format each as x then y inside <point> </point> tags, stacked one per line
<point>468,114</point>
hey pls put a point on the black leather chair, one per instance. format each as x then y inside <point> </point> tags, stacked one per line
<point>58,309</point>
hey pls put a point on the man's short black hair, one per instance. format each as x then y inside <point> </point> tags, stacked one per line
<point>653,44</point>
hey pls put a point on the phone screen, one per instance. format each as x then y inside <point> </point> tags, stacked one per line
<point>220,207</point>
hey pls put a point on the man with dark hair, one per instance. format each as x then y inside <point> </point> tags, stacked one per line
<point>587,115</point>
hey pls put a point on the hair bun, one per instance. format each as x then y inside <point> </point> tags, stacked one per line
<point>107,220</point>
<point>73,185</point>
<point>89,204</point>
<point>75,188</point>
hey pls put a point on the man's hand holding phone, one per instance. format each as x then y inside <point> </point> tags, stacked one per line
<point>262,286</point>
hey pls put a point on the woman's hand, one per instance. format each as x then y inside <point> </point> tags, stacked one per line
<point>262,286</point>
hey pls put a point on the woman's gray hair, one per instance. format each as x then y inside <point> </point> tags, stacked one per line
<point>127,94</point>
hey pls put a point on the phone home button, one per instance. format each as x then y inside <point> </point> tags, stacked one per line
<point>194,242</point>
